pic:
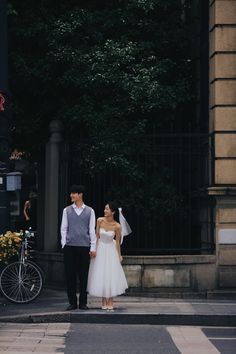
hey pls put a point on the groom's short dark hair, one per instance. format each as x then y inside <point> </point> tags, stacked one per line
<point>77,188</point>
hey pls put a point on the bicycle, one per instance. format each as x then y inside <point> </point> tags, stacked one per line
<point>22,281</point>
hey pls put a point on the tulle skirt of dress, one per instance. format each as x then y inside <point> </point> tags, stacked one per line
<point>106,276</point>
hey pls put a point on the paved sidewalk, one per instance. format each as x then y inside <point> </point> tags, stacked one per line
<point>50,307</point>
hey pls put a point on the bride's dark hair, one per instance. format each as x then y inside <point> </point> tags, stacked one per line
<point>114,209</point>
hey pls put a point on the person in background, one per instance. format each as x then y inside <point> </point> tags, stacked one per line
<point>30,211</point>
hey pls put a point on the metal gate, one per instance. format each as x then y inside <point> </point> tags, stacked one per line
<point>166,202</point>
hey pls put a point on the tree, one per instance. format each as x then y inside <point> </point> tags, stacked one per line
<point>111,71</point>
<point>107,66</point>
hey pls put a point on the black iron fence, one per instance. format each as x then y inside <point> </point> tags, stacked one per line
<point>160,181</point>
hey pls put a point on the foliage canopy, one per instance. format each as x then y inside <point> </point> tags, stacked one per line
<point>110,71</point>
<point>101,67</point>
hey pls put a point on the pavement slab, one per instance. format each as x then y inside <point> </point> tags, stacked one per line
<point>50,308</point>
<point>84,338</point>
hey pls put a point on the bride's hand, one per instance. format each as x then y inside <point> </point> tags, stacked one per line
<point>121,259</point>
<point>92,254</point>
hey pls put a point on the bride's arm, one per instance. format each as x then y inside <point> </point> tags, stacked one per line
<point>97,230</point>
<point>118,238</point>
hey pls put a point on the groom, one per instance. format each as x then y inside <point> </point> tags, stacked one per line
<point>78,240</point>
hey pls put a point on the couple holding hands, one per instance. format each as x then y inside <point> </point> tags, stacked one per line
<point>94,256</point>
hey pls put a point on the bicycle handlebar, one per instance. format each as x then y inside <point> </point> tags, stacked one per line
<point>28,234</point>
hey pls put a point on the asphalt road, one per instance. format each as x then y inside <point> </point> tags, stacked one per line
<point>76,338</point>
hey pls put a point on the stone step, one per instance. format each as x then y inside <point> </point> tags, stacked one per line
<point>168,294</point>
<point>222,294</point>
<point>126,318</point>
<point>210,294</point>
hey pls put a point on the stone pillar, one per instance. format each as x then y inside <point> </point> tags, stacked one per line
<point>51,220</point>
<point>222,77</point>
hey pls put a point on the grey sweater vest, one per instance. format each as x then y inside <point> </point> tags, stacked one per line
<point>78,227</point>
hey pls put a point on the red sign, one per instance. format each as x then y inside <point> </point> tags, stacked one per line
<point>2,101</point>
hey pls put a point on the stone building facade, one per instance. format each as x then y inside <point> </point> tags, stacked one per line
<point>222,108</point>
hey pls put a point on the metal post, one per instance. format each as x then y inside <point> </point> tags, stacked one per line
<point>3,47</point>
<point>4,119</point>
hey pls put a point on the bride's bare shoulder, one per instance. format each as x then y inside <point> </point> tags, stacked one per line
<point>99,220</point>
<point>117,226</point>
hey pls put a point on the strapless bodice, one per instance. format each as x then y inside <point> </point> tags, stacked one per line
<point>106,236</point>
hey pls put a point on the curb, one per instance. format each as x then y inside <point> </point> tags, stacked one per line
<point>116,318</point>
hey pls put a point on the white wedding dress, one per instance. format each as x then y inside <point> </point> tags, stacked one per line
<point>106,276</point>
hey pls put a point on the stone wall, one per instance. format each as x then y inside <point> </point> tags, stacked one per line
<point>226,241</point>
<point>222,87</point>
<point>178,275</point>
<point>222,65</point>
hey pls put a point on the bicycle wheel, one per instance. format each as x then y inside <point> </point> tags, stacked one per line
<point>21,282</point>
<point>39,269</point>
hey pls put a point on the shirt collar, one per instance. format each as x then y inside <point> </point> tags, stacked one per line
<point>75,206</point>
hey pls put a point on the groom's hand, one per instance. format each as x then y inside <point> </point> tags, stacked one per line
<point>92,254</point>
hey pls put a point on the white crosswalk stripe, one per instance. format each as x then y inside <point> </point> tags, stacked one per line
<point>191,340</point>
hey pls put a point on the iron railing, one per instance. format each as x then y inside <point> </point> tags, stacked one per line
<point>163,192</point>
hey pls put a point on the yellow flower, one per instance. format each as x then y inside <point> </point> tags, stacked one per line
<point>9,245</point>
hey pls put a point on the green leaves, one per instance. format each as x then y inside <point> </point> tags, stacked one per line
<point>112,69</point>
<point>114,61</point>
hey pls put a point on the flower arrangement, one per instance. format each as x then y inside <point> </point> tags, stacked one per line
<point>9,245</point>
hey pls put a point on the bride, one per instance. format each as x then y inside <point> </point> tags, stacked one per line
<point>106,277</point>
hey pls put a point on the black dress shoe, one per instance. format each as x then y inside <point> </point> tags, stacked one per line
<point>83,307</point>
<point>71,307</point>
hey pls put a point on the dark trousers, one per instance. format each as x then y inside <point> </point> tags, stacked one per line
<point>76,261</point>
